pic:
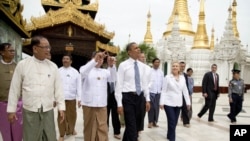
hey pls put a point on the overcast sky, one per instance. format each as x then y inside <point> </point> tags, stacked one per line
<point>128,17</point>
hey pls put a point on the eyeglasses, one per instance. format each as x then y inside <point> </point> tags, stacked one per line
<point>10,50</point>
<point>44,47</point>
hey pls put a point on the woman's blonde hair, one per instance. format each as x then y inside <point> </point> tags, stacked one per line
<point>175,62</point>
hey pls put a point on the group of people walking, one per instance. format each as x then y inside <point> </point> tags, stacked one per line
<point>30,90</point>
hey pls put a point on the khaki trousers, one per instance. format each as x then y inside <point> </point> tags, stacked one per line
<point>68,125</point>
<point>95,123</point>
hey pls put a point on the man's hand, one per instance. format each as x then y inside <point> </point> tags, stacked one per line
<point>161,107</point>
<point>120,110</point>
<point>147,106</point>
<point>79,104</point>
<point>188,107</point>
<point>61,114</point>
<point>12,117</point>
<point>204,95</point>
<point>54,104</point>
<point>230,100</point>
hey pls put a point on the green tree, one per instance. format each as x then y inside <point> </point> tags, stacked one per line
<point>149,52</point>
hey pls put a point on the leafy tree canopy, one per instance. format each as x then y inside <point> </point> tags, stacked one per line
<point>149,52</point>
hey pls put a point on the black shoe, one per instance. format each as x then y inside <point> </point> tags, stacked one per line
<point>210,120</point>
<point>232,120</point>
<point>199,116</point>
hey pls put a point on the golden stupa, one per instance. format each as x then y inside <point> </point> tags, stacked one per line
<point>148,36</point>
<point>201,38</point>
<point>234,14</point>
<point>185,22</point>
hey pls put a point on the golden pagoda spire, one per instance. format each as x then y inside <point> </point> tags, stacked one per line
<point>148,36</point>
<point>185,22</point>
<point>201,38</point>
<point>212,40</point>
<point>234,14</point>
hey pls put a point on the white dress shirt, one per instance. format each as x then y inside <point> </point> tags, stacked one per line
<point>126,79</point>
<point>39,83</point>
<point>148,73</point>
<point>156,81</point>
<point>173,90</point>
<point>94,85</point>
<point>112,78</point>
<point>71,80</point>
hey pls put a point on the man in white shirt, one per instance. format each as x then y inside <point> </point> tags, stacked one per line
<point>130,90</point>
<point>72,90</point>
<point>155,87</point>
<point>112,104</point>
<point>38,81</point>
<point>142,114</point>
<point>94,97</point>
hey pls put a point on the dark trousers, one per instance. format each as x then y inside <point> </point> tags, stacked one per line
<point>184,112</point>
<point>112,108</point>
<point>141,115</point>
<point>132,114</point>
<point>153,113</point>
<point>172,117</point>
<point>235,107</point>
<point>210,103</point>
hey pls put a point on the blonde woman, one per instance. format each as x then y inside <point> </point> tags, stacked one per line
<point>174,86</point>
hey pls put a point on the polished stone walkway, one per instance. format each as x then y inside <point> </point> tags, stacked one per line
<point>200,130</point>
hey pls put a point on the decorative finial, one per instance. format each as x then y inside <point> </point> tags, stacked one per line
<point>229,9</point>
<point>149,14</point>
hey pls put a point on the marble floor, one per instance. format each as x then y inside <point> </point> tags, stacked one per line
<point>200,130</point>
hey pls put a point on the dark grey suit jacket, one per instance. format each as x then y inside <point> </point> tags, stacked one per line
<point>208,84</point>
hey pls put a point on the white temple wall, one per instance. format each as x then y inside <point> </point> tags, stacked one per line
<point>224,70</point>
<point>246,74</point>
<point>198,60</point>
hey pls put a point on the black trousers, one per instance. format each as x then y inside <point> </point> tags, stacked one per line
<point>210,103</point>
<point>112,108</point>
<point>132,114</point>
<point>235,107</point>
<point>141,115</point>
<point>185,112</point>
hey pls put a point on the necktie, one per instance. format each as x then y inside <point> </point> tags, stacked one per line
<point>137,79</point>
<point>215,82</point>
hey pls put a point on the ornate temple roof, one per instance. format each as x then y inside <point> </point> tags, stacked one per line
<point>229,45</point>
<point>185,22</point>
<point>107,47</point>
<point>201,38</point>
<point>11,13</point>
<point>148,36</point>
<point>68,14</point>
<point>82,5</point>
